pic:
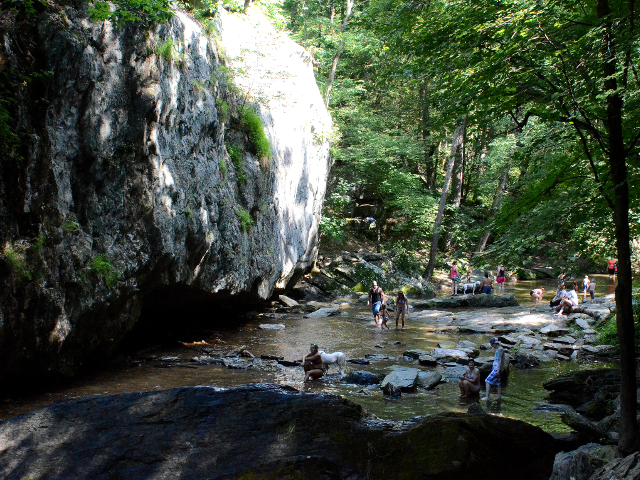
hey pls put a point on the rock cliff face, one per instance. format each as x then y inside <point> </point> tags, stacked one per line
<point>127,194</point>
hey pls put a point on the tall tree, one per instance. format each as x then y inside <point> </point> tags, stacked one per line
<point>572,62</point>
<point>336,56</point>
<point>456,146</point>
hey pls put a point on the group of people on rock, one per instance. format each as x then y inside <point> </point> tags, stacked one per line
<point>486,284</point>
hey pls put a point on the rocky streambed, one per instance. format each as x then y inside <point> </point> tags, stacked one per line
<point>392,375</point>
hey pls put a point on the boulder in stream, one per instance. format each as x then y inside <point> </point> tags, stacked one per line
<point>400,379</point>
<point>323,312</point>
<point>362,377</point>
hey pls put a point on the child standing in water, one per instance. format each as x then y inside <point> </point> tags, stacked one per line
<point>496,370</point>
<point>384,316</point>
<point>592,289</point>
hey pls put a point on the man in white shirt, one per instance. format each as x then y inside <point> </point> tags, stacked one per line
<point>569,301</point>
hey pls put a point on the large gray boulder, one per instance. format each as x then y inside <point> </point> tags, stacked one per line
<point>581,463</point>
<point>261,431</point>
<point>127,202</point>
<point>627,468</point>
<point>400,380</point>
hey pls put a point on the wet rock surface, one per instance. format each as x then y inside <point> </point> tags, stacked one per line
<point>205,432</point>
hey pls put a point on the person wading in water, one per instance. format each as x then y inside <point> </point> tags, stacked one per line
<point>376,299</point>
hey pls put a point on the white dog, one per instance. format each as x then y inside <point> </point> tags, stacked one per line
<point>472,286</point>
<point>338,358</point>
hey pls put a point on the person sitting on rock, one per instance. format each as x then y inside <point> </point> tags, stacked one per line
<point>536,294</point>
<point>469,383</point>
<point>569,301</point>
<point>312,364</point>
<point>559,296</point>
<point>496,370</point>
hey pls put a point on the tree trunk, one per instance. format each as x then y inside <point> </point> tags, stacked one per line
<point>482,243</point>
<point>458,172</point>
<point>455,146</point>
<point>628,439</point>
<point>336,57</point>
<point>426,137</point>
<point>247,4</point>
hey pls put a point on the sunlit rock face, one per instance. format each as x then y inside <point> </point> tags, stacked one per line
<point>127,188</point>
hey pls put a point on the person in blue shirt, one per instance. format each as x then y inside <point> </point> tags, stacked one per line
<point>569,301</point>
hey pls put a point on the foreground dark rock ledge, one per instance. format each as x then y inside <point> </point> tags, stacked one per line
<point>261,431</point>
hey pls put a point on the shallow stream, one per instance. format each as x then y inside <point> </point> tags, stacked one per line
<point>354,333</point>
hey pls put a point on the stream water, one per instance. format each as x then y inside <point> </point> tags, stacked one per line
<point>354,333</point>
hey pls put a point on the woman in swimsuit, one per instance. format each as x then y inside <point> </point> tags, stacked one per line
<point>500,278</point>
<point>402,307</point>
<point>312,364</point>
<point>469,383</point>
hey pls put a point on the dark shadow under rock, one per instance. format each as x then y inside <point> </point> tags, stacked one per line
<point>207,432</point>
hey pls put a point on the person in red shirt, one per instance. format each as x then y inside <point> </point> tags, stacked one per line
<point>455,278</point>
<point>612,269</point>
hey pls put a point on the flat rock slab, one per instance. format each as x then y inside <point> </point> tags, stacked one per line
<point>561,348</point>
<point>553,330</point>
<point>362,377</point>
<point>271,326</point>
<point>359,361</point>
<point>323,312</point>
<point>415,353</point>
<point>237,363</point>
<point>454,373</point>
<point>429,380</point>
<point>527,341</point>
<point>583,323</point>
<point>206,432</point>
<point>289,302</point>
<point>483,301</point>
<point>207,360</point>
<point>450,355</point>
<point>376,357</point>
<point>566,339</point>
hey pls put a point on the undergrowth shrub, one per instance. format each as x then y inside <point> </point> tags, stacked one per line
<point>244,216</point>
<point>103,266</point>
<point>252,124</point>
<point>16,259</point>
<point>235,153</point>
<point>609,331</point>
